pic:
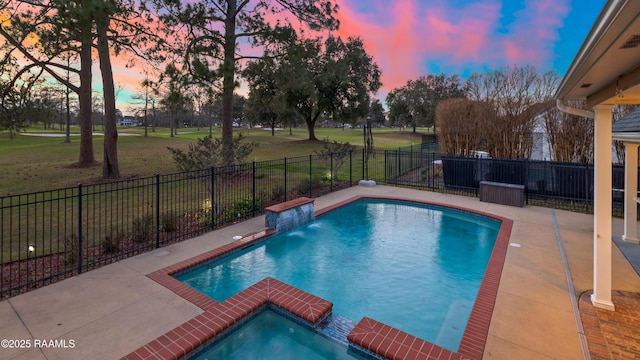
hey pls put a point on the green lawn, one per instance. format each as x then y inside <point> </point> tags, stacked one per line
<point>36,163</point>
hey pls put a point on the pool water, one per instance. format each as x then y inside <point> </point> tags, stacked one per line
<point>271,336</point>
<point>412,266</point>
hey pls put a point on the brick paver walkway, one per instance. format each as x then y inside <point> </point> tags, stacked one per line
<point>612,334</point>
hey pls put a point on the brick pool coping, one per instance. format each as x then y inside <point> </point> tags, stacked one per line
<point>368,334</point>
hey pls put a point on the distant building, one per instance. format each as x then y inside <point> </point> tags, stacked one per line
<point>129,120</point>
<point>541,149</point>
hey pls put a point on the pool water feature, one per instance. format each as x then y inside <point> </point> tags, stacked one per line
<point>272,336</point>
<point>412,266</point>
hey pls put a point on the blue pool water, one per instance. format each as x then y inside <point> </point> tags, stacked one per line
<point>271,336</point>
<point>412,266</point>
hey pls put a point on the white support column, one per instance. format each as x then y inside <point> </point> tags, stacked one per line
<point>602,209</point>
<point>630,193</point>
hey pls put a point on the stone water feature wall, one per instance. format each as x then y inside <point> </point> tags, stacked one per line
<point>288,215</point>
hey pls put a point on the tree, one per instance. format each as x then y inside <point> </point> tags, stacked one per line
<point>513,96</point>
<point>146,97</point>
<point>334,78</point>
<point>209,108</point>
<point>215,30</point>
<point>239,103</point>
<point>174,100</point>
<point>21,108</point>
<point>15,87</point>
<point>266,105</point>
<point>376,113</point>
<point>61,28</point>
<point>352,75</point>
<point>460,122</point>
<point>400,113</point>
<point>570,136</point>
<point>415,103</point>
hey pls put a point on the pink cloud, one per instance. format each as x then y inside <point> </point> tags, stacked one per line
<point>534,31</point>
<point>392,41</point>
<point>404,35</point>
<point>412,33</point>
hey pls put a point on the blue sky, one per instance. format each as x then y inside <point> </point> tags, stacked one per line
<point>410,38</point>
<point>416,37</point>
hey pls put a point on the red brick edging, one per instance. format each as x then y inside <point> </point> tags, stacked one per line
<point>369,334</point>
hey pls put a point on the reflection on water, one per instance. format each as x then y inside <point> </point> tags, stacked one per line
<point>402,264</point>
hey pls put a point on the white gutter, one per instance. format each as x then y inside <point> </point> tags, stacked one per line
<point>574,111</point>
<point>631,137</point>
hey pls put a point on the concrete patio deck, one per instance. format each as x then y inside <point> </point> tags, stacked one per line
<point>109,312</point>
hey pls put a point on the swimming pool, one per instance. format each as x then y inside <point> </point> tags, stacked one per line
<point>415,267</point>
<point>368,336</point>
<point>272,336</point>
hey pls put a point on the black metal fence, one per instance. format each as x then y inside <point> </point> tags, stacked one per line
<point>552,184</point>
<point>50,235</point>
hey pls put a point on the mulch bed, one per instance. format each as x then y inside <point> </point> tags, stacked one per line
<point>21,276</point>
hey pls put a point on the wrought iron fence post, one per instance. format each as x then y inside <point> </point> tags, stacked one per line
<point>351,168</point>
<point>331,172</point>
<point>253,185</point>
<point>363,163</point>
<point>546,171</point>
<point>157,211</point>
<point>411,159</point>
<point>526,181</point>
<point>477,167</point>
<point>213,200</point>
<point>586,187</point>
<point>397,167</point>
<point>79,228</point>
<point>385,175</point>
<point>310,176</point>
<point>431,170</point>
<point>285,180</point>
<point>27,265</point>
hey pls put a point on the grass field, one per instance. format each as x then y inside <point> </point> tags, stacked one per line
<point>38,163</point>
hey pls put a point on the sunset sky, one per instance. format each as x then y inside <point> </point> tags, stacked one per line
<point>410,38</point>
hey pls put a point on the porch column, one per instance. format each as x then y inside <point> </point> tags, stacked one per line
<point>602,209</point>
<point>630,193</point>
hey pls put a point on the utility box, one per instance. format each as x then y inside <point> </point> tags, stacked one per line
<point>501,193</point>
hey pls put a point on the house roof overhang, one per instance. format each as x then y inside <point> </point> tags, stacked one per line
<point>606,69</point>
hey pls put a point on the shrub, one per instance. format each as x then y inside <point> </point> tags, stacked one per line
<point>168,221</point>
<point>207,153</point>
<point>206,213</point>
<point>71,249</point>
<point>459,125</point>
<point>427,173</point>
<point>142,228</point>
<point>277,192</point>
<point>302,187</point>
<point>334,153</point>
<point>241,208</point>
<point>111,242</point>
